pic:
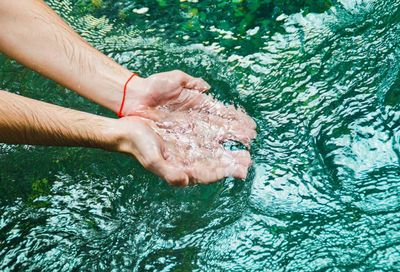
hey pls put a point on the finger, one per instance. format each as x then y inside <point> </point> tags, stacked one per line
<point>198,84</point>
<point>172,174</point>
<point>233,164</point>
<point>150,151</point>
<point>203,159</point>
<point>188,99</point>
<point>214,128</point>
<point>240,124</point>
<point>239,169</point>
<point>187,81</point>
<point>219,164</point>
<point>243,162</point>
<point>220,129</point>
<point>207,104</point>
<point>242,115</point>
<point>233,113</point>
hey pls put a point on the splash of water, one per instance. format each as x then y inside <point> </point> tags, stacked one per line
<point>194,128</point>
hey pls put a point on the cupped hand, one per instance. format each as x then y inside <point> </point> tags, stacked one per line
<point>141,141</point>
<point>178,154</point>
<point>159,89</point>
<point>182,141</point>
<point>196,110</point>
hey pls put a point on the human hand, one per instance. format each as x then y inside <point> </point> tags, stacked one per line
<point>159,89</point>
<point>195,109</point>
<point>179,157</point>
<point>182,140</point>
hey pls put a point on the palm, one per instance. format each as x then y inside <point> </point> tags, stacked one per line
<point>183,139</point>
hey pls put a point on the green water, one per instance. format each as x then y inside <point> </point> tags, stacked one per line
<point>323,84</point>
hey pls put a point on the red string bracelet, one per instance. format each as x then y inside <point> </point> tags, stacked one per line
<point>120,115</point>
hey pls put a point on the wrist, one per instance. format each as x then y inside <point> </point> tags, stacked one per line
<point>110,87</point>
<point>134,95</point>
<point>120,135</point>
<point>113,135</point>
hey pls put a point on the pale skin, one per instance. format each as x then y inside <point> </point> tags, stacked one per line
<point>27,121</point>
<point>37,37</point>
<point>34,35</point>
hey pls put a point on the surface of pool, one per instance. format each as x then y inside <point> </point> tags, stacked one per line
<point>322,82</point>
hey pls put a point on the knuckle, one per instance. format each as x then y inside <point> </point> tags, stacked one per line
<point>178,73</point>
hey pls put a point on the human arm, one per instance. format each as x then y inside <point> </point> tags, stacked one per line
<point>34,35</point>
<point>174,156</point>
<point>32,122</point>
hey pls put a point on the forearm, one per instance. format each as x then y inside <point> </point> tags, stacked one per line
<point>34,35</point>
<point>27,121</point>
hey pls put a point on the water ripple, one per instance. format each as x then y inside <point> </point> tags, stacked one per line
<point>323,192</point>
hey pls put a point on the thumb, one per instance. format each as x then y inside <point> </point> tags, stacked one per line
<point>198,84</point>
<point>173,175</point>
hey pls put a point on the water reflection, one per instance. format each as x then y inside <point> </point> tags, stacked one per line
<point>323,193</point>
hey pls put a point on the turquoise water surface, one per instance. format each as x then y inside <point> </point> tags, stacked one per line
<point>322,81</point>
